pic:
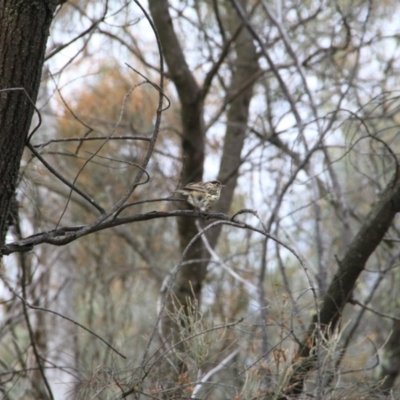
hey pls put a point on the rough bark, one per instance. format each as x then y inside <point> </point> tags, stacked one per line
<point>351,265</point>
<point>23,35</point>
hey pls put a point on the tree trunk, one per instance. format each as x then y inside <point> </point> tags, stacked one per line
<point>23,35</point>
<point>245,71</point>
<point>189,280</point>
<point>351,265</point>
<point>191,99</point>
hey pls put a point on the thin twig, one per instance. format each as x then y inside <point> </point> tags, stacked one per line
<point>210,373</point>
<point>86,139</point>
<point>59,315</point>
<point>354,301</point>
<point>218,260</point>
<point>64,180</point>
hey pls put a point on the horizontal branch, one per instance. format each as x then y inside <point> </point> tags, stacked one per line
<point>91,138</point>
<point>64,235</point>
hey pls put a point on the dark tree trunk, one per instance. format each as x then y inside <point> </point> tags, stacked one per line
<point>351,265</point>
<point>191,98</point>
<point>190,278</point>
<point>245,73</point>
<point>189,281</point>
<point>24,30</point>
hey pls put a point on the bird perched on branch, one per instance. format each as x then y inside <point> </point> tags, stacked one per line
<point>202,195</point>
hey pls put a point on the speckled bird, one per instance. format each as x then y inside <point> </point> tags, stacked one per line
<point>202,195</point>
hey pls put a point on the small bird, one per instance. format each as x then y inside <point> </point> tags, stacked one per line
<point>202,195</point>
